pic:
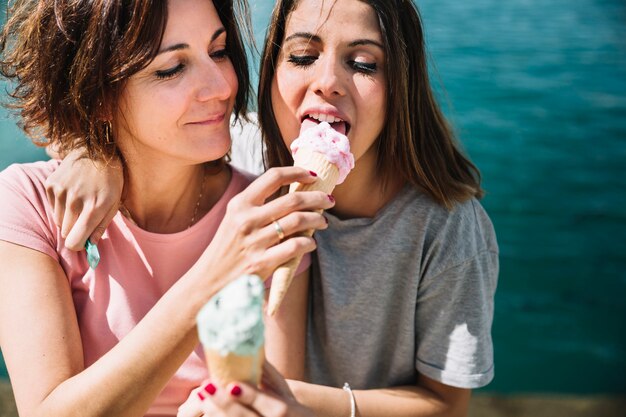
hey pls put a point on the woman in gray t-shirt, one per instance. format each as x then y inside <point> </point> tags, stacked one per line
<point>403,280</point>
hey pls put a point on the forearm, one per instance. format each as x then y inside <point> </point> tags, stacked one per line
<point>46,365</point>
<point>407,401</point>
<point>286,331</point>
<point>126,380</point>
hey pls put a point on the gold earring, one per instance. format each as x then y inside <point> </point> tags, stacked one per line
<point>107,133</point>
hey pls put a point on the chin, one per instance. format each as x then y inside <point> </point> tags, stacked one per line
<point>213,153</point>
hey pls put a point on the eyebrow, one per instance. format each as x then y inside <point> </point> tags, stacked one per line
<point>180,46</point>
<point>311,37</point>
<point>305,35</point>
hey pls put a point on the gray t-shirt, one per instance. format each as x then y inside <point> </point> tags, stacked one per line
<point>409,290</point>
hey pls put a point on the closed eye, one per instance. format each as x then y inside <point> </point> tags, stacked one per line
<point>301,60</point>
<point>219,55</point>
<point>364,67</point>
<point>169,73</point>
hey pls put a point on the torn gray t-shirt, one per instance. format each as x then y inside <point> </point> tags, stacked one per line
<point>410,290</point>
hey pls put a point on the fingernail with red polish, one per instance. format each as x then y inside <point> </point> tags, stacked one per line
<point>235,390</point>
<point>210,388</point>
<point>331,198</point>
<point>313,174</point>
<point>200,396</point>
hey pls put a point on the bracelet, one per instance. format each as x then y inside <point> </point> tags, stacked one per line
<point>346,388</point>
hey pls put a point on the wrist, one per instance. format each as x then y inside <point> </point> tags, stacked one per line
<point>324,401</point>
<point>348,390</point>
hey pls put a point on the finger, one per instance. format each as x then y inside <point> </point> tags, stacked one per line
<point>223,403</point>
<point>300,222</point>
<point>192,407</point>
<point>256,400</point>
<point>300,201</point>
<point>283,252</point>
<point>72,211</point>
<point>99,230</point>
<point>81,229</point>
<point>50,195</point>
<point>273,381</point>
<point>270,182</point>
<point>57,203</point>
<point>59,211</point>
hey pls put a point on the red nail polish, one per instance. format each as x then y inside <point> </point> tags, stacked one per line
<point>210,388</point>
<point>325,219</point>
<point>235,390</point>
<point>313,174</point>
<point>331,198</point>
<point>200,396</point>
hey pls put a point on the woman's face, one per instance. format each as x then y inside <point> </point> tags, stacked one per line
<point>180,104</point>
<point>331,68</point>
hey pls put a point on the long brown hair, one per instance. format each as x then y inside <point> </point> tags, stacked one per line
<point>69,61</point>
<point>416,142</point>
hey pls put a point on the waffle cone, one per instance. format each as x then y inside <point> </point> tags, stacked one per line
<point>224,369</point>
<point>327,176</point>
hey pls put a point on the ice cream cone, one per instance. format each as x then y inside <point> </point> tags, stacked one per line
<point>327,176</point>
<point>231,329</point>
<point>326,152</point>
<point>230,367</point>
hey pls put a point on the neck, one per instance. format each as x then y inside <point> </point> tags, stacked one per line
<point>363,193</point>
<point>164,199</point>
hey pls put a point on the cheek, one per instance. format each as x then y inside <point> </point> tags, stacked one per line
<point>150,113</point>
<point>285,107</point>
<point>373,97</point>
<point>230,75</point>
<point>289,86</point>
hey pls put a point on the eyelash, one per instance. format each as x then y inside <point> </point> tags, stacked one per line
<point>364,67</point>
<point>170,73</point>
<point>301,60</point>
<point>306,60</point>
<point>218,56</point>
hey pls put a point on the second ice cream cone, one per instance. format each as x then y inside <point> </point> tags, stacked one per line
<point>229,367</point>
<point>231,329</point>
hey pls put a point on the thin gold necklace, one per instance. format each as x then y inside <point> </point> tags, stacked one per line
<point>126,213</point>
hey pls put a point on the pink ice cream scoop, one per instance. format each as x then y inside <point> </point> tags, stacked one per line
<point>332,144</point>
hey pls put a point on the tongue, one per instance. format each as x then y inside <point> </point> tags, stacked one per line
<point>339,127</point>
<point>309,123</point>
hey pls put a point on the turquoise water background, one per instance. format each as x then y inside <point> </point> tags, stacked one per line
<point>537,92</point>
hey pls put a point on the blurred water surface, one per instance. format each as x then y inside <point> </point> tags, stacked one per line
<point>537,92</point>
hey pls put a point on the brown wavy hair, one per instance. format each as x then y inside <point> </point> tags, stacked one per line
<point>416,143</point>
<point>69,61</point>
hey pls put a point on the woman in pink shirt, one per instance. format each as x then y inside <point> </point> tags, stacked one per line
<point>154,83</point>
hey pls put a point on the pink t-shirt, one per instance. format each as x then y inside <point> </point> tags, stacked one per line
<point>136,267</point>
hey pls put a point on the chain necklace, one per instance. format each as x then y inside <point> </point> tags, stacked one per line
<point>124,210</point>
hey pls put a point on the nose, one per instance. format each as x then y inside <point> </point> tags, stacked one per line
<point>217,81</point>
<point>327,79</point>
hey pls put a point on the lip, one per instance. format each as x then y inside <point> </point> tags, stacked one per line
<point>329,112</point>
<point>208,120</point>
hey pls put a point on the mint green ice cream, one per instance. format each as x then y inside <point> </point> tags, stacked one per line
<point>232,321</point>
